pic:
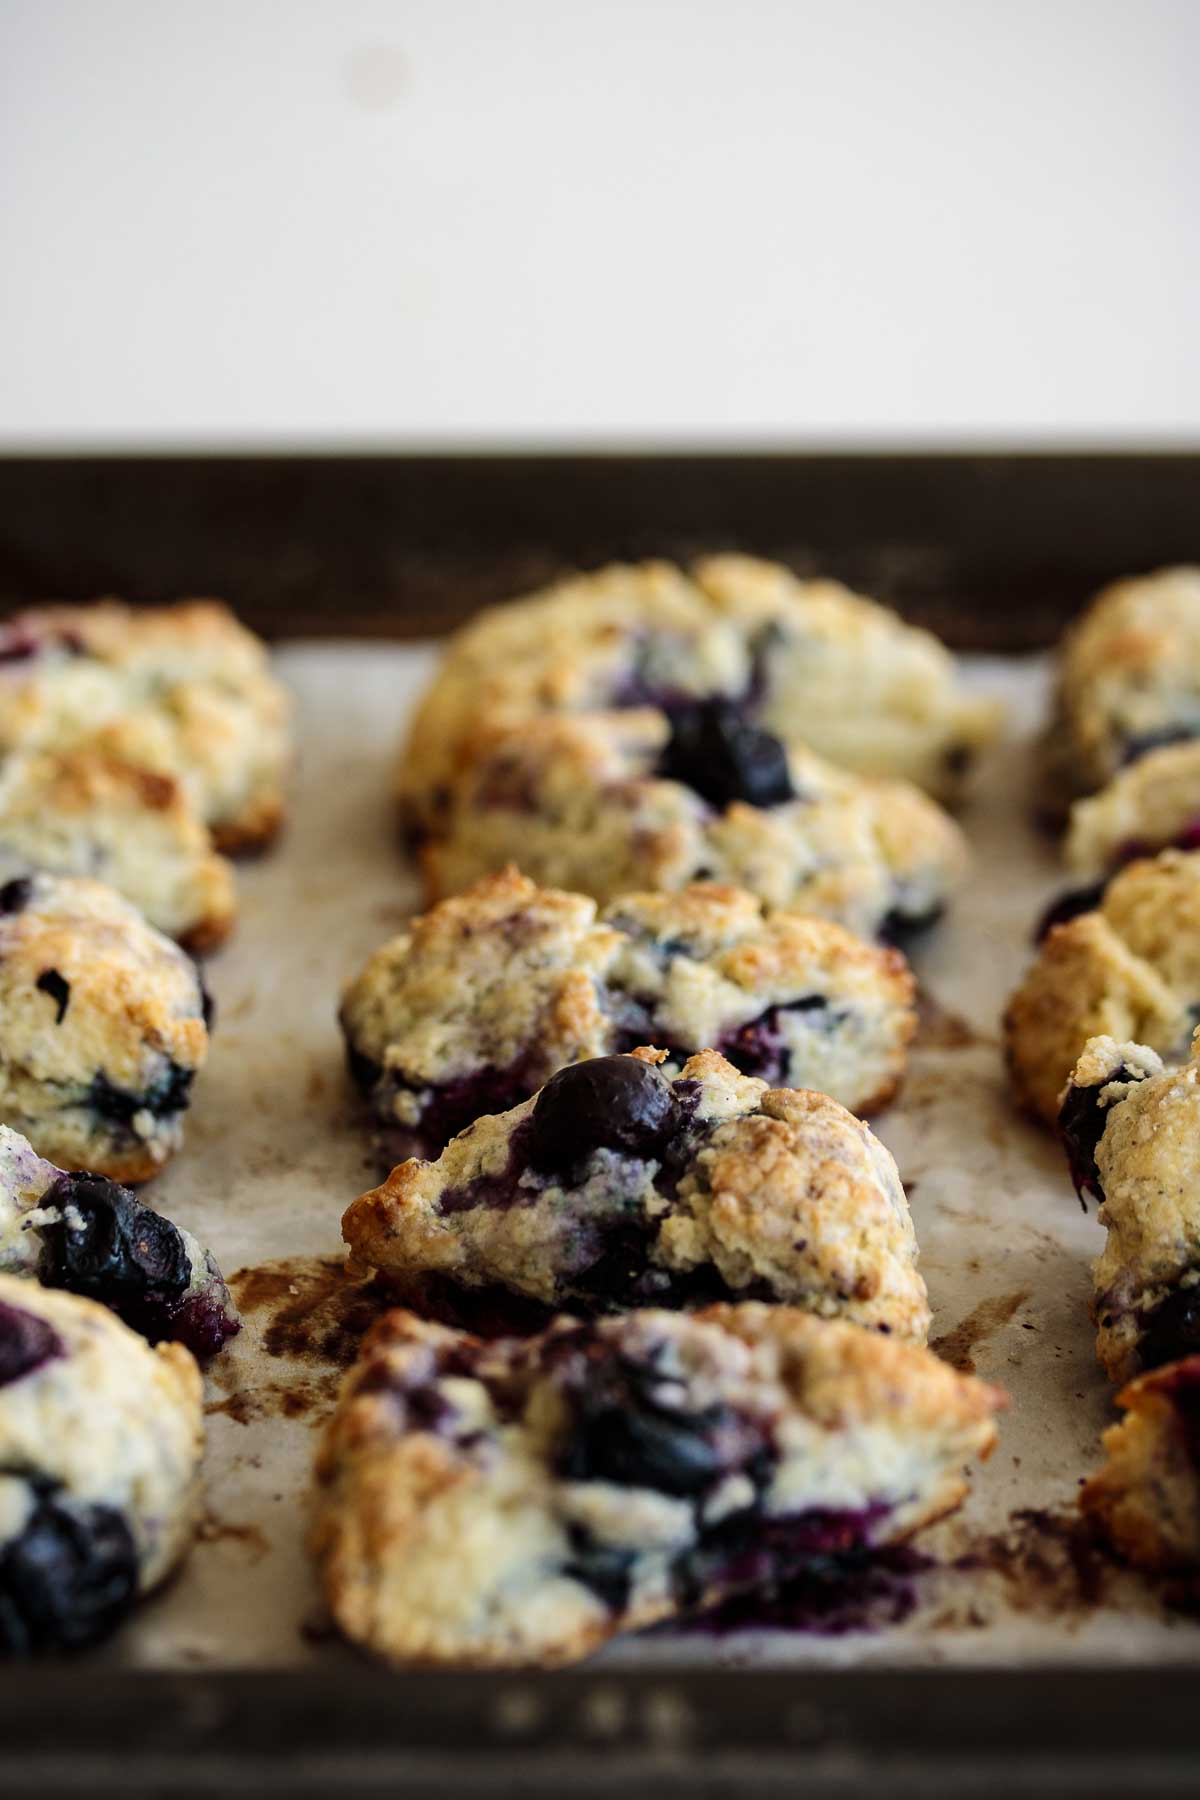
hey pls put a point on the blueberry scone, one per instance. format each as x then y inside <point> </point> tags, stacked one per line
<point>81,812</point>
<point>100,1443</point>
<point>1128,970</point>
<point>475,1005</point>
<point>522,1501</point>
<point>615,803</point>
<point>1129,674</point>
<point>1153,804</point>
<point>86,1235</point>
<point>182,690</point>
<point>1146,1498</point>
<point>1131,1129</point>
<point>102,1027</point>
<point>802,659</point>
<point>617,1187</point>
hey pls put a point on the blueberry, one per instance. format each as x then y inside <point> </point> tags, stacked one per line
<point>1081,1123</point>
<point>1135,748</point>
<point>66,1580</point>
<point>901,927</point>
<point>604,1568</point>
<point>760,1048</point>
<point>15,895</point>
<point>1069,906</point>
<point>59,989</point>
<point>611,1102</point>
<point>625,1430</point>
<point>1172,1330</point>
<point>168,1095</point>
<point>26,1342</point>
<point>111,1248</point>
<point>714,750</point>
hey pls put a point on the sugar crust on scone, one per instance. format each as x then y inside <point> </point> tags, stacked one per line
<point>102,1027</point>
<point>521,1502</point>
<point>477,1002</point>
<point>1129,970</point>
<point>806,659</point>
<point>759,1193</point>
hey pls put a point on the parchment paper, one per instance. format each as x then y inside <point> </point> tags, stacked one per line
<point>277,1145</point>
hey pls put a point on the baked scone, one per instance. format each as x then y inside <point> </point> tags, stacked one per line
<point>183,690</point>
<point>1153,804</point>
<point>804,659</point>
<point>102,1027</point>
<point>100,1444</point>
<point>475,1005</point>
<point>84,813</point>
<point>617,1187</point>
<point>1129,970</point>
<point>88,1236</point>
<point>615,803</point>
<point>1146,1498</point>
<point>1129,673</point>
<point>1131,1130</point>
<point>522,1501</point>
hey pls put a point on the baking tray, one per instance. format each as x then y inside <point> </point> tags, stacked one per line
<point>276,1147</point>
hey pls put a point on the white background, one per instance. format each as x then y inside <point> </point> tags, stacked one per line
<point>530,221</point>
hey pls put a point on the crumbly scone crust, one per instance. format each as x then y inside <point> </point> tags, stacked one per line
<point>1148,1161</point>
<point>511,974</point>
<point>873,693</point>
<point>1146,1497</point>
<point>1130,971</point>
<point>781,1190</point>
<point>183,690</point>
<point>575,801</point>
<point>116,1000</point>
<point>1129,670</point>
<point>441,1549</point>
<point>1153,803</point>
<point>113,1421</point>
<point>82,812</point>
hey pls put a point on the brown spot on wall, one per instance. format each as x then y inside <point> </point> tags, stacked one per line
<point>956,1346</point>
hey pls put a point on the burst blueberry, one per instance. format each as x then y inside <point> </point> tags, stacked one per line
<point>714,750</point>
<point>610,1102</point>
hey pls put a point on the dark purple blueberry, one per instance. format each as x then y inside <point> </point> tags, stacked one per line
<point>59,989</point>
<point>110,1247</point>
<point>901,927</point>
<point>628,1427</point>
<point>26,1342</point>
<point>759,1047</point>
<point>610,1102</point>
<point>170,1094</point>
<point>208,1006</point>
<point>1172,1330</point>
<point>202,1322</point>
<point>604,1568</point>
<point>1069,906</point>
<point>67,1579</point>
<point>1081,1123</point>
<point>1135,748</point>
<point>15,895</point>
<point>715,751</point>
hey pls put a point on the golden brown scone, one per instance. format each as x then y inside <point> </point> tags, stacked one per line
<point>100,1446</point>
<point>606,804</point>
<point>1153,804</point>
<point>182,690</point>
<point>1130,971</point>
<point>477,1003</point>
<point>520,1502</point>
<point>804,659</point>
<point>1131,1130</point>
<point>617,1187</point>
<point>102,1027</point>
<point>1146,1498</point>
<point>1129,674</point>
<point>81,812</point>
